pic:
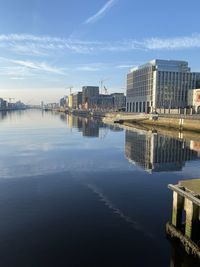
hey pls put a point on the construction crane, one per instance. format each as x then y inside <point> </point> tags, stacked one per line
<point>101,83</point>
<point>106,90</point>
<point>70,89</point>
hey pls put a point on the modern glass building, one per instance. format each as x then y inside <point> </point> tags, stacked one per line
<point>159,84</point>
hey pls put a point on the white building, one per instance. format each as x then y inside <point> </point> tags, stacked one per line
<point>194,99</point>
<point>160,84</point>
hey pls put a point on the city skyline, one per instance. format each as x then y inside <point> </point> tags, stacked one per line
<point>47,47</point>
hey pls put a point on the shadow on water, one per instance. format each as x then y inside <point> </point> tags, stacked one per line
<point>179,258</point>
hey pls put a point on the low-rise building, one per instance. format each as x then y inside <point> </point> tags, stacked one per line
<point>3,103</point>
<point>194,99</point>
<point>64,102</point>
<point>87,93</point>
<point>70,101</point>
<point>119,101</point>
<point>77,100</point>
<point>105,102</point>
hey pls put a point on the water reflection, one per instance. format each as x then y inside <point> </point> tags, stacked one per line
<point>3,115</point>
<point>10,114</point>
<point>156,153</point>
<point>84,189</point>
<point>89,127</point>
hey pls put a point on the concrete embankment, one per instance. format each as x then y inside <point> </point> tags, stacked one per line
<point>85,113</point>
<point>176,123</point>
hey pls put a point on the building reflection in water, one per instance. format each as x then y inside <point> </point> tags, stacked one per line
<point>90,127</point>
<point>156,153</point>
<point>11,114</point>
<point>3,115</point>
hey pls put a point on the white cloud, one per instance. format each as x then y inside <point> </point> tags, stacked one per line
<point>101,12</point>
<point>90,67</point>
<point>38,66</point>
<point>124,66</point>
<point>186,42</point>
<point>31,45</point>
<point>17,78</point>
<point>87,68</point>
<point>22,69</point>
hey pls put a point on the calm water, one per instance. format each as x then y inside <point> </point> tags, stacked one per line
<point>75,192</point>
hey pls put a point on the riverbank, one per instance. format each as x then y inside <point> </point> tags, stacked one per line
<point>172,122</point>
<point>183,123</point>
<point>85,113</point>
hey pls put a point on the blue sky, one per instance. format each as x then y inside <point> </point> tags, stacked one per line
<point>46,46</point>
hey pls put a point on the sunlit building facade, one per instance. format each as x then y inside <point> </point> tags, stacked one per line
<point>194,99</point>
<point>159,84</point>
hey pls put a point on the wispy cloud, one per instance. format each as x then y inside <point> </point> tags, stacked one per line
<point>23,69</point>
<point>90,67</point>
<point>31,45</point>
<point>38,66</point>
<point>101,12</point>
<point>124,66</point>
<point>87,68</point>
<point>17,78</point>
<point>184,42</point>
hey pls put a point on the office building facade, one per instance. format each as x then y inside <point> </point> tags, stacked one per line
<point>64,102</point>
<point>119,101</point>
<point>77,100</point>
<point>87,93</point>
<point>194,100</point>
<point>160,84</point>
<point>3,103</point>
<point>105,102</point>
<point>70,101</point>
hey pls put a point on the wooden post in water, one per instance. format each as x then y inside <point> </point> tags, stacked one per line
<point>178,204</point>
<point>186,197</point>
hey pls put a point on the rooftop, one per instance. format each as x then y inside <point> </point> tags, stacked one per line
<point>165,65</point>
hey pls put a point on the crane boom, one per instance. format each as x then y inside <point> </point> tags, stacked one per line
<point>70,89</point>
<point>101,83</point>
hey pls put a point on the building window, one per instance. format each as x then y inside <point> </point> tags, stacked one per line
<point>143,106</point>
<point>140,107</point>
<point>136,106</point>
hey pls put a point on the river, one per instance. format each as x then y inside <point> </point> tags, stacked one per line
<point>77,192</point>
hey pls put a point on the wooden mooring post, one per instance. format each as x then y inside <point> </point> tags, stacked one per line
<point>185,224</point>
